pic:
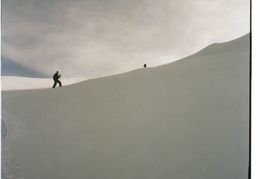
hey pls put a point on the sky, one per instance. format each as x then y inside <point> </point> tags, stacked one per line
<point>94,38</point>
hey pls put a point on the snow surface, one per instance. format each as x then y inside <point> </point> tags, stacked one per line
<point>188,119</point>
<point>19,83</point>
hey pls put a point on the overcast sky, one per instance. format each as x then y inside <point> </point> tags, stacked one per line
<point>93,38</point>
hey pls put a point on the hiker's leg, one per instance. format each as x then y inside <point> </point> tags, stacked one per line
<point>55,82</point>
<point>59,83</point>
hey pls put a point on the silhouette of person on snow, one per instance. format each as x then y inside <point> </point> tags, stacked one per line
<point>56,77</point>
<point>145,65</point>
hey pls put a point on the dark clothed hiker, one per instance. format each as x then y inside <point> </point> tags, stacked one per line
<point>56,77</point>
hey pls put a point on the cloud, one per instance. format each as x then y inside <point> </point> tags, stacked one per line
<point>94,38</point>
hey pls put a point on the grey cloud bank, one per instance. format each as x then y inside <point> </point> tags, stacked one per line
<point>97,38</point>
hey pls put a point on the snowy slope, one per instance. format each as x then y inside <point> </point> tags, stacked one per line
<point>187,119</point>
<point>21,83</point>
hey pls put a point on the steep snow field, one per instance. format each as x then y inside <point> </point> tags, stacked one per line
<point>188,119</point>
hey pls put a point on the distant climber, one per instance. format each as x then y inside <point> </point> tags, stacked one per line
<point>56,77</point>
<point>145,65</point>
